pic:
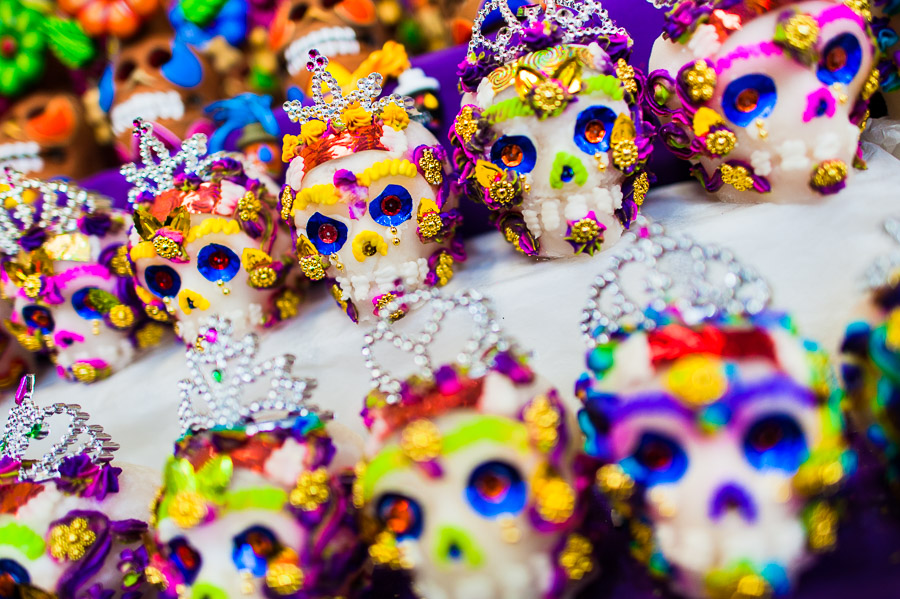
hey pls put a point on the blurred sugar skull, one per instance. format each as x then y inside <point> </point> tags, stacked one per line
<point>550,136</point>
<point>66,270</point>
<point>73,525</point>
<point>425,92</point>
<point>367,195</point>
<point>885,25</point>
<point>472,483</point>
<point>208,240</point>
<point>251,508</point>
<point>765,99</point>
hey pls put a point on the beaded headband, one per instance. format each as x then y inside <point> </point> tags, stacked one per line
<point>27,422</point>
<point>223,373</point>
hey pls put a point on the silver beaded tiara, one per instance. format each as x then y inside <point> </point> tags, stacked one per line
<point>160,166</point>
<point>572,17</point>
<point>27,423</point>
<point>329,99</point>
<point>26,203</point>
<point>224,376</point>
<point>476,353</point>
<point>886,267</point>
<point>654,271</point>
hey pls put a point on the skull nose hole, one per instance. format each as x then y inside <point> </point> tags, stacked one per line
<point>732,498</point>
<point>567,174</point>
<point>454,551</point>
<point>822,108</point>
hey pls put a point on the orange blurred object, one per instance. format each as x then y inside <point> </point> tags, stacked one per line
<point>55,124</point>
<point>120,18</point>
<point>358,12</point>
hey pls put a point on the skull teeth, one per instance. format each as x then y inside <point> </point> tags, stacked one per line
<point>150,106</point>
<point>330,41</point>
<point>23,156</point>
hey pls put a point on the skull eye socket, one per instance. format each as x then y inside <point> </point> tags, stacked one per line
<point>327,234</point>
<point>400,515</point>
<point>159,57</point>
<point>85,301</point>
<point>298,11</point>
<point>185,559</point>
<point>392,207</point>
<point>593,129</point>
<point>12,575</point>
<point>38,317</point>
<point>496,488</point>
<point>841,60</point>
<point>217,263</point>
<point>162,281</point>
<point>657,459</point>
<point>253,548</point>
<point>749,98</point>
<point>515,153</point>
<point>775,441</point>
<point>125,69</point>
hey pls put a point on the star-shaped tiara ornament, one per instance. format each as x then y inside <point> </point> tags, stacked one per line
<point>26,204</point>
<point>329,99</point>
<point>160,166</point>
<point>27,423</point>
<point>476,353</point>
<point>228,390</point>
<point>654,272</point>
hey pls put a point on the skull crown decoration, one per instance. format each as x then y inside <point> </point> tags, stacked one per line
<point>367,195</point>
<point>717,426</point>
<point>551,136</point>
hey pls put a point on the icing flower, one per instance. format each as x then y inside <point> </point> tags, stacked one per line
<point>395,117</point>
<point>829,176</point>
<point>119,18</point>
<point>71,541</point>
<point>22,46</point>
<point>356,117</point>
<point>586,234</point>
<point>367,244</point>
<point>310,132</point>
<point>698,379</point>
<point>700,80</point>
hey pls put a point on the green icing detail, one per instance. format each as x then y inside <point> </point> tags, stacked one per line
<point>607,84</point>
<point>204,590</point>
<point>22,538</point>
<point>507,109</point>
<point>71,45</point>
<point>261,498</point>
<point>561,161</point>
<point>467,548</point>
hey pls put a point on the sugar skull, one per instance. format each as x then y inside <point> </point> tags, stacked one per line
<point>765,99</point>
<point>367,195</point>
<point>719,428</point>
<point>71,524</point>
<point>885,25</point>
<point>550,136</point>
<point>66,269</point>
<point>252,507</point>
<point>472,483</point>
<point>208,240</point>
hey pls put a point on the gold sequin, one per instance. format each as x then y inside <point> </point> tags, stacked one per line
<point>548,96</point>
<point>625,74</point>
<point>444,269</point>
<point>121,316</point>
<point>287,304</point>
<point>615,482</point>
<point>384,552</point>
<point>829,173</point>
<point>384,301</point>
<point>736,176</point>
<point>32,285</point>
<point>465,125</point>
<point>430,224</point>
<point>502,192</point>
<point>120,263</point>
<point>554,497</point>
<point>641,187</point>
<point>721,142</point>
<point>84,372</point>
<point>625,153</point>
<point>542,421</point>
<point>822,527</point>
<point>575,558</point>
<point>701,81</point>
<point>166,248</point>
<point>287,202</point>
<point>249,207</point>
<point>421,441</point>
<point>71,541</point>
<point>871,84</point>
<point>584,231</point>
<point>801,32</point>
<point>284,578</point>
<point>149,335</point>
<point>262,277</point>
<point>311,491</point>
<point>431,167</point>
<point>187,509</point>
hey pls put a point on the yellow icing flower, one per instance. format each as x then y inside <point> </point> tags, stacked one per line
<point>555,498</point>
<point>187,509</point>
<point>355,116</point>
<point>395,117</point>
<point>698,380</point>
<point>892,337</point>
<point>368,243</point>
<point>189,301</point>
<point>289,144</point>
<point>311,131</point>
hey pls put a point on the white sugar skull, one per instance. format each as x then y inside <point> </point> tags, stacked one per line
<point>367,196</point>
<point>723,447</point>
<point>765,99</point>
<point>550,136</point>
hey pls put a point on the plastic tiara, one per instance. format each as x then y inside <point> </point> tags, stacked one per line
<point>476,354</point>
<point>366,95</point>
<point>160,166</point>
<point>26,203</point>
<point>27,422</point>
<point>581,21</point>
<point>674,272</point>
<point>886,269</point>
<point>221,370</point>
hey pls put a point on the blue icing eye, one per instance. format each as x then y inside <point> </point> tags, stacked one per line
<point>253,548</point>
<point>162,281</point>
<point>218,263</point>
<point>185,559</point>
<point>775,441</point>
<point>183,68</point>
<point>749,98</point>
<point>841,60</point>
<point>327,234</point>
<point>658,459</point>
<point>84,301</point>
<point>392,207</point>
<point>400,515</point>
<point>594,128</point>
<point>515,153</point>
<point>265,153</point>
<point>38,317</point>
<point>496,488</point>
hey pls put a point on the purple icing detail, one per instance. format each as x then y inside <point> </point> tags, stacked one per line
<point>79,475</point>
<point>764,49</point>
<point>731,496</point>
<point>714,183</point>
<point>7,464</point>
<point>506,363</point>
<point>432,469</point>
<point>95,225</point>
<point>32,240</point>
<point>76,575</point>
<point>840,13</point>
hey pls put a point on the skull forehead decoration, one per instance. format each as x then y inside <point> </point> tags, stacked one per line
<point>66,268</point>
<point>367,195</point>
<point>719,428</point>
<point>253,501</point>
<point>765,99</point>
<point>70,521</point>
<point>551,136</point>
<point>207,238</point>
<point>489,431</point>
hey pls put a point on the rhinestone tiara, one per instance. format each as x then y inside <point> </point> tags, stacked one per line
<point>674,272</point>
<point>27,422</point>
<point>223,372</point>
<point>329,99</point>
<point>887,267</point>
<point>580,21</point>
<point>26,203</point>
<point>486,338</point>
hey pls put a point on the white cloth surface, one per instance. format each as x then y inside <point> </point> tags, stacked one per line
<point>814,257</point>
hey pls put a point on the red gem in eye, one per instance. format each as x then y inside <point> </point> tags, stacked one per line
<point>88,303</point>
<point>260,543</point>
<point>40,319</point>
<point>748,100</point>
<point>656,456</point>
<point>164,280</point>
<point>836,59</point>
<point>186,556</point>
<point>399,517</point>
<point>492,486</point>
<point>328,233</point>
<point>219,260</point>
<point>7,585</point>
<point>391,205</point>
<point>767,437</point>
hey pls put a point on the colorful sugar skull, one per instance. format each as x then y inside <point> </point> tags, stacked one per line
<point>885,25</point>
<point>720,430</point>
<point>550,136</point>
<point>71,525</point>
<point>367,194</point>
<point>766,99</point>
<point>472,482</point>
<point>253,508</point>
<point>66,270</point>
<point>208,240</point>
